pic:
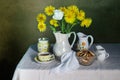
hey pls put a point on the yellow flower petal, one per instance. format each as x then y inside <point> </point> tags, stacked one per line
<point>63,9</point>
<point>41,27</point>
<point>54,22</point>
<point>86,22</point>
<point>41,17</point>
<point>49,10</point>
<point>73,8</point>
<point>81,15</point>
<point>69,17</point>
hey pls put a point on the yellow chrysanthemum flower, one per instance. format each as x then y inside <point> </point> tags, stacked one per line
<point>73,8</point>
<point>41,26</point>
<point>69,17</point>
<point>63,9</point>
<point>86,22</point>
<point>49,10</point>
<point>54,22</point>
<point>63,16</point>
<point>81,15</point>
<point>41,17</point>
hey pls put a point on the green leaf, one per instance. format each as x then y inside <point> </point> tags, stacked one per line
<point>53,28</point>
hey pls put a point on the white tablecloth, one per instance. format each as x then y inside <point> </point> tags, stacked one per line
<point>28,69</point>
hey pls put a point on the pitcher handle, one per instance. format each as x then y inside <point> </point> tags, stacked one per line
<point>73,39</point>
<point>107,55</point>
<point>92,39</point>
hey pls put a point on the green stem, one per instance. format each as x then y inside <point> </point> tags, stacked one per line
<point>67,29</point>
<point>71,27</point>
<point>63,26</point>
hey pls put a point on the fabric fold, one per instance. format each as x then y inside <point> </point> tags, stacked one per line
<point>69,62</point>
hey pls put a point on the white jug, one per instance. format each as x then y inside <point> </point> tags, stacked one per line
<point>83,42</point>
<point>62,44</point>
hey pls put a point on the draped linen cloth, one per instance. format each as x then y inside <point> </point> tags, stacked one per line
<point>68,63</point>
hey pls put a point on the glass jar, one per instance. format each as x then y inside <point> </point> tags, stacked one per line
<point>43,45</point>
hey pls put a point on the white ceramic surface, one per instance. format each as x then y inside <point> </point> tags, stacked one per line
<point>101,53</point>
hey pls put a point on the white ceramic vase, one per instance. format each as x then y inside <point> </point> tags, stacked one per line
<point>62,44</point>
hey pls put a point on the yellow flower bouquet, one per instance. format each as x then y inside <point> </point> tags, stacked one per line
<point>62,19</point>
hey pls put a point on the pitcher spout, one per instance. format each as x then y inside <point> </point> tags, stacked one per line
<point>57,36</point>
<point>80,34</point>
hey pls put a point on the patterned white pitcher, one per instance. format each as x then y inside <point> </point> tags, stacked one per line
<point>83,42</point>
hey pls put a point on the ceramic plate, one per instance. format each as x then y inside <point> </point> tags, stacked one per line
<point>43,62</point>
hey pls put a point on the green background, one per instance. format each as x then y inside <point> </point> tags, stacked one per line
<point>18,26</point>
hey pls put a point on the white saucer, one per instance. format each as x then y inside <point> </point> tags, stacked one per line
<point>43,62</point>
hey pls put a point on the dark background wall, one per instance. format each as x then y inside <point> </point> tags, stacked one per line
<point>18,26</point>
